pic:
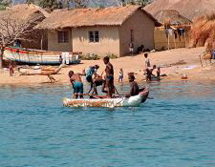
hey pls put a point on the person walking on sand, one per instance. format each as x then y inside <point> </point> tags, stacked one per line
<point>120,75</point>
<point>77,84</point>
<point>109,79</point>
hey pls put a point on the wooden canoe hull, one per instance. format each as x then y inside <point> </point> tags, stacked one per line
<point>133,101</point>
<point>33,57</point>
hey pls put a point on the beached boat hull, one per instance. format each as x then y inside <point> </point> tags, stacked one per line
<point>33,57</point>
<point>133,101</point>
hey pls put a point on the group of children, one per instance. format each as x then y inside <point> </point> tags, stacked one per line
<point>95,80</point>
<point>148,71</point>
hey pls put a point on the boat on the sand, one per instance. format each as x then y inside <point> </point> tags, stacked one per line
<point>42,57</point>
<point>40,70</point>
<point>133,101</point>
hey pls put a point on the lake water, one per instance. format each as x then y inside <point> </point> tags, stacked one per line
<point>174,128</point>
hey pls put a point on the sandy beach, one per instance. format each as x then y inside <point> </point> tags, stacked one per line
<point>174,63</point>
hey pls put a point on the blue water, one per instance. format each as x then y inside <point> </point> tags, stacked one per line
<point>174,128</point>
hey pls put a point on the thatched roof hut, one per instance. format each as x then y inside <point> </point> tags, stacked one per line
<point>20,16</point>
<point>172,17</point>
<point>99,30</point>
<point>24,11</point>
<point>188,8</point>
<point>112,16</point>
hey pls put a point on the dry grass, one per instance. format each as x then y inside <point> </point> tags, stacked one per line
<point>203,31</point>
<point>171,17</point>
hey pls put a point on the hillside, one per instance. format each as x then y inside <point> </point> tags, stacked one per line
<point>187,8</point>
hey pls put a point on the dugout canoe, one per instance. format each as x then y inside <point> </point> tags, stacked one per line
<point>133,101</point>
<point>42,57</point>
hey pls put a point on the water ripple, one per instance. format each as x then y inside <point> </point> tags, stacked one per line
<point>174,128</point>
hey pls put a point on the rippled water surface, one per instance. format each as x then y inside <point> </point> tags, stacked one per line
<point>174,128</point>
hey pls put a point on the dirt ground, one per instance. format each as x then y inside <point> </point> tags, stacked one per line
<point>174,63</point>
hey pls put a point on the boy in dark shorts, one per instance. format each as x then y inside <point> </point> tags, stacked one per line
<point>109,79</point>
<point>149,73</point>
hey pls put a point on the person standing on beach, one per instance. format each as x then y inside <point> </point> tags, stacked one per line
<point>11,70</point>
<point>109,76</point>
<point>60,59</point>
<point>147,61</point>
<point>120,75</point>
<point>149,73</point>
<point>131,48</point>
<point>77,84</point>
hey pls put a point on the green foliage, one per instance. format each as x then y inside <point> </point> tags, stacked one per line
<point>80,3</point>
<point>111,55</point>
<point>30,1</point>
<point>90,56</point>
<point>2,7</point>
<point>66,3</point>
<point>5,2</point>
<point>136,2</point>
<point>59,4</point>
<point>51,4</point>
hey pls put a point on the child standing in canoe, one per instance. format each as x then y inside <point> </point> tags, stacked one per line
<point>77,84</point>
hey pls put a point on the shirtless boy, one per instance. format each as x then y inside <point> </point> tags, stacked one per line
<point>134,88</point>
<point>75,79</point>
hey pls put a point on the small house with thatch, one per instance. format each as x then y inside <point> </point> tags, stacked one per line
<point>17,17</point>
<point>174,32</point>
<point>101,31</point>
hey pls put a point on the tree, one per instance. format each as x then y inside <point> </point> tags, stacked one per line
<point>59,4</point>
<point>51,4</point>
<point>133,2</point>
<point>66,3</point>
<point>30,1</point>
<point>12,29</point>
<point>143,2</point>
<point>6,2</point>
<point>80,3</point>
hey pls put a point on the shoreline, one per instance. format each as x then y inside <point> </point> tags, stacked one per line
<point>173,78</point>
<point>174,63</point>
<point>140,82</point>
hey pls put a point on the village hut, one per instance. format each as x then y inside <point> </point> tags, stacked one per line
<point>100,31</point>
<point>26,14</point>
<point>173,17</point>
<point>174,31</point>
<point>188,8</point>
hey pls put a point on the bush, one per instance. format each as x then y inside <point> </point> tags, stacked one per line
<point>90,56</point>
<point>111,55</point>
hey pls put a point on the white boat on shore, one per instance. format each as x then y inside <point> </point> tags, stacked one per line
<point>133,101</point>
<point>32,57</point>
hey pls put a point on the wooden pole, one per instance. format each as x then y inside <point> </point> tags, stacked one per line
<point>41,43</point>
<point>168,41</point>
